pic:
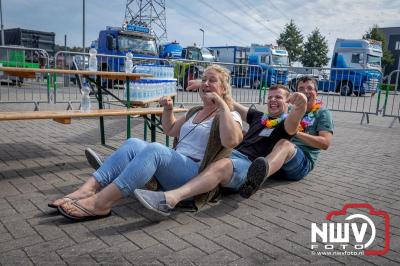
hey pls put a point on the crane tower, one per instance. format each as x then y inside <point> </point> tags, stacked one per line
<point>150,13</point>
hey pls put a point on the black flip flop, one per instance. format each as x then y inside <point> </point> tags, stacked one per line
<point>88,217</point>
<point>52,205</point>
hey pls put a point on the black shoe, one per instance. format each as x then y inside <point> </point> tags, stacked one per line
<point>93,159</point>
<point>256,176</point>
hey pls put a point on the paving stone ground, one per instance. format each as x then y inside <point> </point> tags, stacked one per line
<point>41,160</point>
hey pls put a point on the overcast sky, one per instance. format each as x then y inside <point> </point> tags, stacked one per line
<point>225,22</point>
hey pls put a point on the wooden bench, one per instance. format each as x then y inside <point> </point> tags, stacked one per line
<point>65,117</point>
<point>95,77</point>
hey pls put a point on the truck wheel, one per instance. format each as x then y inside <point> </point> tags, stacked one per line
<point>346,88</point>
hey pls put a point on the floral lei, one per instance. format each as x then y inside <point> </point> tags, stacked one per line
<point>309,118</point>
<point>271,123</point>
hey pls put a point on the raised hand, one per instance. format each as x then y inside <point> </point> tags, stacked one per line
<point>299,100</point>
<point>194,85</point>
<point>166,102</point>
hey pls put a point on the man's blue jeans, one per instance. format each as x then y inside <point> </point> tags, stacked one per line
<point>136,162</point>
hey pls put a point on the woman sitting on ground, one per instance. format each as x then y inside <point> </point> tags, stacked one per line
<point>205,134</point>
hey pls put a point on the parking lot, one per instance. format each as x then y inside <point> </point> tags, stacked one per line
<point>41,160</point>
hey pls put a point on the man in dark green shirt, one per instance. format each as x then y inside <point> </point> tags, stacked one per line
<point>315,134</point>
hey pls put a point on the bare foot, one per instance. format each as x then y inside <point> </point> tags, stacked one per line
<point>170,199</point>
<point>89,188</point>
<point>83,207</point>
<point>76,195</point>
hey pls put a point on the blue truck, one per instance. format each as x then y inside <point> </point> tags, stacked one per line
<point>273,62</point>
<point>355,67</point>
<point>189,67</point>
<point>255,65</point>
<point>231,54</point>
<point>170,50</point>
<point>237,58</point>
<point>119,40</point>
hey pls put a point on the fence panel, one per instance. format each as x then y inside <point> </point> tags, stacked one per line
<point>35,89</point>
<point>345,90</point>
<point>67,87</point>
<point>246,81</point>
<point>391,105</point>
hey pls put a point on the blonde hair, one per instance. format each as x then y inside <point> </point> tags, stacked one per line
<point>225,78</point>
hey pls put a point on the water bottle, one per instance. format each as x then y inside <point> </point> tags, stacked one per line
<point>150,85</point>
<point>128,63</point>
<point>134,91</point>
<point>140,90</point>
<point>157,72</point>
<point>145,87</point>
<point>92,59</point>
<point>172,87</point>
<point>85,101</point>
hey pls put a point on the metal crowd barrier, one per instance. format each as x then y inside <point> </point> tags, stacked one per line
<point>391,105</point>
<point>24,90</point>
<point>246,89</point>
<point>247,83</point>
<point>344,90</point>
<point>67,87</point>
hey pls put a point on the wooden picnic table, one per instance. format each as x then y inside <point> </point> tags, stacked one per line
<point>94,77</point>
<point>31,73</point>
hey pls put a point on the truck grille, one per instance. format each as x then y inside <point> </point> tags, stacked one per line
<point>373,84</point>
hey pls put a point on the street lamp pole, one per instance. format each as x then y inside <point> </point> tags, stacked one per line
<point>83,26</point>
<point>2,26</point>
<point>202,44</point>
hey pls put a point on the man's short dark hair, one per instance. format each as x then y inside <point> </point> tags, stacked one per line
<point>305,79</point>
<point>280,86</point>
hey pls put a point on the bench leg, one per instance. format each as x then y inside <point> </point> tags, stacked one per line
<point>101,119</point>
<point>128,105</point>
<point>153,127</point>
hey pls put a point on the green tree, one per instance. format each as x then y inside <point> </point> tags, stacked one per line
<point>315,50</point>
<point>292,39</point>
<point>376,34</point>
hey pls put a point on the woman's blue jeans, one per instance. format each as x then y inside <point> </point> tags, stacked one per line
<point>136,162</point>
